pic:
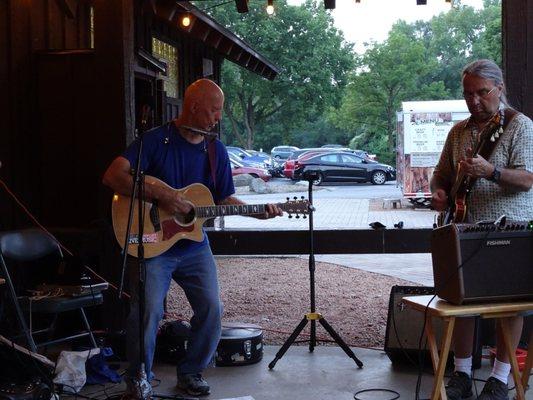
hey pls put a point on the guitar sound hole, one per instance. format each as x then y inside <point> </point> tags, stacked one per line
<point>186,219</point>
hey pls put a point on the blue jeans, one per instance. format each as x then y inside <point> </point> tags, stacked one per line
<point>196,273</point>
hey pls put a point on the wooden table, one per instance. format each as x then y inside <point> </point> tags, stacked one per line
<point>448,312</point>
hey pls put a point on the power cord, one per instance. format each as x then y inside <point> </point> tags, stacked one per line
<point>394,392</point>
<point>446,282</point>
<point>64,248</point>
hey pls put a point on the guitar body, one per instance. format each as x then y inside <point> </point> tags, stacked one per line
<point>459,214</point>
<point>161,229</point>
<point>455,213</point>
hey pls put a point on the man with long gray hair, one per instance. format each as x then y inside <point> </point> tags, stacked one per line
<point>502,187</point>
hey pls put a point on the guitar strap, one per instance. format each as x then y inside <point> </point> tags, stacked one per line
<point>488,146</point>
<point>211,151</point>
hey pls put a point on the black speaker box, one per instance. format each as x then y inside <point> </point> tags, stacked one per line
<point>473,263</point>
<point>405,325</point>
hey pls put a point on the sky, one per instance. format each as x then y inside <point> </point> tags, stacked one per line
<point>372,19</point>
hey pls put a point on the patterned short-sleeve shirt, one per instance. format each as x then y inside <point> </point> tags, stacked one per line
<point>489,200</point>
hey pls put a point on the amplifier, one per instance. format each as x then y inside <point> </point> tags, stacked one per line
<point>483,262</point>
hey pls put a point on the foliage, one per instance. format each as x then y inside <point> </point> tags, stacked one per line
<point>313,59</point>
<point>419,61</point>
<point>325,93</point>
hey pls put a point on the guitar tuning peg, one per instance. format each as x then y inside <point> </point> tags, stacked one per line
<point>295,198</point>
<point>304,217</point>
<point>302,197</point>
<point>288,198</point>
<point>297,216</point>
<point>290,216</point>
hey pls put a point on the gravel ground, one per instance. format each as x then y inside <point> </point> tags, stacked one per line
<point>274,294</point>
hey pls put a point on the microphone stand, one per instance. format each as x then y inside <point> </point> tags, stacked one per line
<point>143,387</point>
<point>313,316</point>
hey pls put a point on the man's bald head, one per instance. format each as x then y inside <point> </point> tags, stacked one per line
<point>202,104</point>
<point>202,90</point>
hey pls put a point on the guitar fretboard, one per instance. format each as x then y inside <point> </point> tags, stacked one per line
<point>236,209</point>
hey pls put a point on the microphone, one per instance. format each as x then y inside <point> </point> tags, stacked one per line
<point>212,135</point>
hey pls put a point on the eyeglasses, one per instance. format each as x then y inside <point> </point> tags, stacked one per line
<point>481,94</point>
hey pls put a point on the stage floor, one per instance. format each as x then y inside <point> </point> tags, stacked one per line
<point>326,374</point>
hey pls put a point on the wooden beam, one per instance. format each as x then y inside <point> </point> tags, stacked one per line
<point>359,241</point>
<point>517,32</point>
<point>65,8</point>
<point>225,47</point>
<point>214,39</point>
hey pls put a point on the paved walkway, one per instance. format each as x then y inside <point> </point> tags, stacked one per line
<point>336,213</point>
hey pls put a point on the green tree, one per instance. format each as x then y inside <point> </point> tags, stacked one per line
<point>419,61</point>
<point>389,72</point>
<point>313,59</point>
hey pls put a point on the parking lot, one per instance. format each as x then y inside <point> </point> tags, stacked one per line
<point>344,206</point>
<point>348,206</point>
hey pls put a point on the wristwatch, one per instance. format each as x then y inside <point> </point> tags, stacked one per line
<point>495,176</point>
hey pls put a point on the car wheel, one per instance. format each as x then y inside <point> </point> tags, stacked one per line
<point>319,179</point>
<point>378,178</point>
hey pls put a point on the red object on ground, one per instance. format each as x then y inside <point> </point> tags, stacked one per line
<point>521,356</point>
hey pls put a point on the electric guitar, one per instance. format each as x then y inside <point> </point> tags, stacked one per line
<point>162,229</point>
<point>457,204</point>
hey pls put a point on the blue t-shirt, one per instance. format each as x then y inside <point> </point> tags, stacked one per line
<point>169,157</point>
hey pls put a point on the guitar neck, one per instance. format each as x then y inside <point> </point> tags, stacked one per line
<point>233,209</point>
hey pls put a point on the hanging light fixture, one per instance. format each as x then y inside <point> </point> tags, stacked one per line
<point>270,7</point>
<point>242,6</point>
<point>329,4</point>
<point>186,20</point>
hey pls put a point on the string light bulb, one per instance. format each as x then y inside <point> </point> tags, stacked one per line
<point>270,7</point>
<point>186,20</point>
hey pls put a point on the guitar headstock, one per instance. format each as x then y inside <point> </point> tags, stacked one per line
<point>297,206</point>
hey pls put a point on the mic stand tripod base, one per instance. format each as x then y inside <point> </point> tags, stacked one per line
<point>313,317</point>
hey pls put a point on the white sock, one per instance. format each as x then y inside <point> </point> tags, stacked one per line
<point>501,370</point>
<point>463,365</point>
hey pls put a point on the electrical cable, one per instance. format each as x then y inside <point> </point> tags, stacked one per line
<point>446,282</point>
<point>67,250</point>
<point>217,5</point>
<point>394,392</point>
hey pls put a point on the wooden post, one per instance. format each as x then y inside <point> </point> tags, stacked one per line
<point>517,32</point>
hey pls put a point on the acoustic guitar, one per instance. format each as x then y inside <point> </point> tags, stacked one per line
<point>162,229</point>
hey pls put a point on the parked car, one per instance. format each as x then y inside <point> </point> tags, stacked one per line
<point>344,167</point>
<point>296,156</point>
<point>282,152</point>
<point>238,168</point>
<point>247,156</point>
<point>245,162</point>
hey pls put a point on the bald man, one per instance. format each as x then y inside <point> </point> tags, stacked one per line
<point>178,157</point>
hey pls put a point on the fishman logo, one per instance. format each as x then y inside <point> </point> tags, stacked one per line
<point>498,242</point>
